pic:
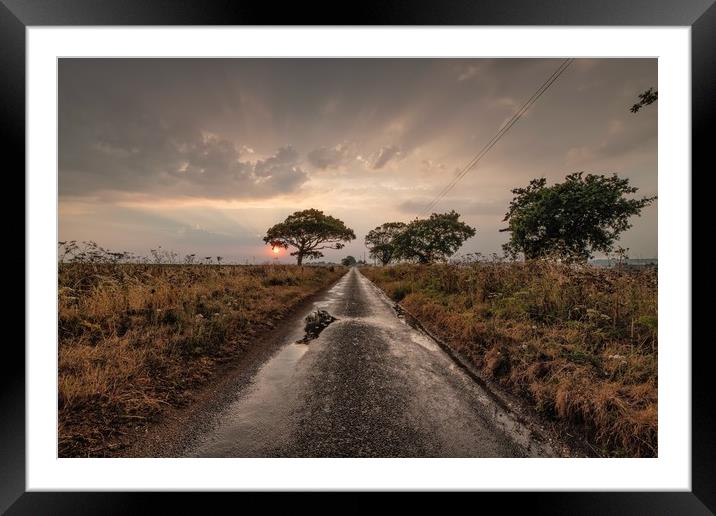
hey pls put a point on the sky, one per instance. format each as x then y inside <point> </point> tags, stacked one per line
<point>204,155</point>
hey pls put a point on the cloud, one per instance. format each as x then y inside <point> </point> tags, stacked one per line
<point>332,157</point>
<point>279,173</point>
<point>615,144</point>
<point>386,154</point>
<point>169,134</point>
<point>147,155</point>
<point>200,237</point>
<point>429,165</point>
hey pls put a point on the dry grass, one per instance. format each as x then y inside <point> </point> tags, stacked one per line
<point>579,342</point>
<point>134,338</point>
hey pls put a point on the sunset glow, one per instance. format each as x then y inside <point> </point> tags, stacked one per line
<point>144,160</point>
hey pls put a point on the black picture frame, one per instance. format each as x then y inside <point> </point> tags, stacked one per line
<point>17,15</point>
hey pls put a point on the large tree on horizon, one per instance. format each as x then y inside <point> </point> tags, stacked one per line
<point>309,231</point>
<point>570,220</point>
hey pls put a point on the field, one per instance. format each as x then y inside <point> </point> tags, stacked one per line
<point>135,338</point>
<point>579,343</point>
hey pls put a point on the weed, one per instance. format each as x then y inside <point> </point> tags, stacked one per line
<point>136,337</point>
<point>579,342</point>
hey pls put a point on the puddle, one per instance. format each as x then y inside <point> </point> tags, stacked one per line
<point>458,414</point>
<point>260,417</point>
<point>316,322</point>
<point>257,419</point>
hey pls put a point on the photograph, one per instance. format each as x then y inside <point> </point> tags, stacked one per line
<point>413,247</point>
<point>357,257</point>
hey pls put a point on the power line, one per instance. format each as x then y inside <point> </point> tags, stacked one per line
<point>503,130</point>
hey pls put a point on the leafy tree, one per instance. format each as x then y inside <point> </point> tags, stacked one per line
<point>309,231</point>
<point>570,220</point>
<point>432,239</point>
<point>348,261</point>
<point>648,97</point>
<point>380,241</point>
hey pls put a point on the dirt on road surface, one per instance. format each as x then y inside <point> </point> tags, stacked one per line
<point>369,385</point>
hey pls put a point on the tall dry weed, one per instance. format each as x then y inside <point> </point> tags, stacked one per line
<point>580,342</point>
<point>134,338</point>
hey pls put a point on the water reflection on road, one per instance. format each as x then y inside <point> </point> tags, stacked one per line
<point>369,385</point>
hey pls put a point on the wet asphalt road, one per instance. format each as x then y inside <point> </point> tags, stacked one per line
<point>368,386</point>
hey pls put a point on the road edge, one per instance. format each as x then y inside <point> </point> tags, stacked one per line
<point>543,429</point>
<point>176,427</point>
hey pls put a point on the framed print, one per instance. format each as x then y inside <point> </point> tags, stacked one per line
<point>424,249</point>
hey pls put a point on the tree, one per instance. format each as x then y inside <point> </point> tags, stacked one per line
<point>648,97</point>
<point>309,231</point>
<point>348,261</point>
<point>432,239</point>
<point>570,220</point>
<point>380,241</point>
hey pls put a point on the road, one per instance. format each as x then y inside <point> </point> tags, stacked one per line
<point>369,386</point>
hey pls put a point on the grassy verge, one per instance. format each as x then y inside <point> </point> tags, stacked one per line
<point>134,338</point>
<point>580,343</point>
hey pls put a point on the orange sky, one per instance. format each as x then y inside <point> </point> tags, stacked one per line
<point>202,156</point>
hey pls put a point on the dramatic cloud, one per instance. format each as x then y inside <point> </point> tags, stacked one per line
<point>205,154</point>
<point>279,173</point>
<point>150,156</point>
